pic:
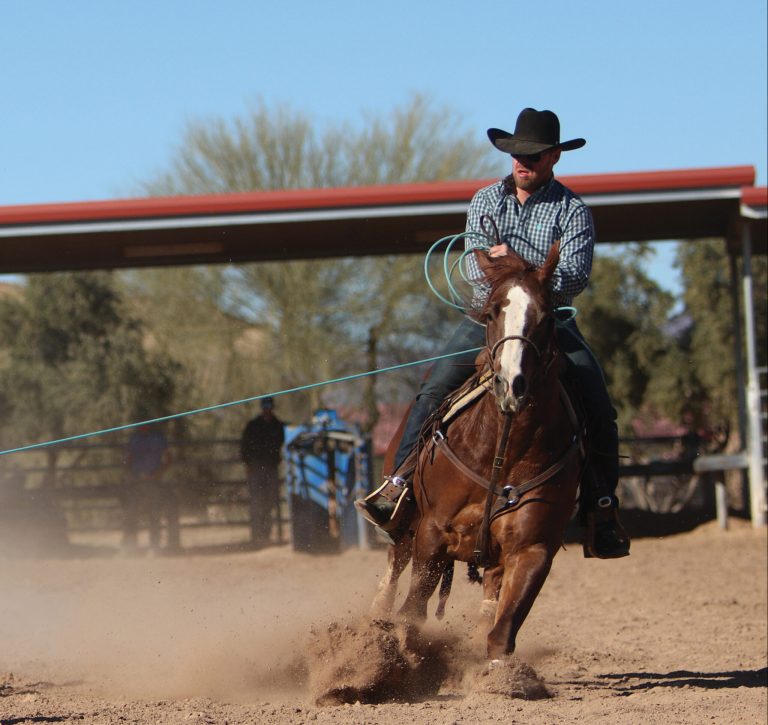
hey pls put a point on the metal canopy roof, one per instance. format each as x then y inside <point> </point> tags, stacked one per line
<point>396,219</point>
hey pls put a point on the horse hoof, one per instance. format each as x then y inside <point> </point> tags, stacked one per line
<point>409,635</point>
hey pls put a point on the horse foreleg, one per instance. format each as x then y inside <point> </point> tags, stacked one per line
<point>398,556</point>
<point>445,589</point>
<point>491,587</point>
<point>428,566</point>
<point>524,575</point>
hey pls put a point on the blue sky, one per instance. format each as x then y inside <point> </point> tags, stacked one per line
<point>95,94</point>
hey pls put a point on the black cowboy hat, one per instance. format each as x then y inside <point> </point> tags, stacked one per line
<point>535,131</point>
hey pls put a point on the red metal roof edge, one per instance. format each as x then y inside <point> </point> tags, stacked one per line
<point>675,179</point>
<point>754,195</point>
<point>248,201</point>
<point>395,194</point>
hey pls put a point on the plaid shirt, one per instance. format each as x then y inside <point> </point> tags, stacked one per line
<point>553,212</point>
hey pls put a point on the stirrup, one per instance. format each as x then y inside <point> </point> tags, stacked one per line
<point>385,507</point>
<point>396,481</point>
<point>391,489</point>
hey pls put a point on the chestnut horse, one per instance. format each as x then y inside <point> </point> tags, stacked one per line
<point>489,493</point>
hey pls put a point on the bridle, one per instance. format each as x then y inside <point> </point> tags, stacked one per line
<point>510,492</point>
<point>485,221</point>
<point>493,349</point>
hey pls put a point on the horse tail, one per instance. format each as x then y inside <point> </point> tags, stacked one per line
<point>445,589</point>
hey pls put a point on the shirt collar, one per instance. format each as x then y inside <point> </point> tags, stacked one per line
<point>542,191</point>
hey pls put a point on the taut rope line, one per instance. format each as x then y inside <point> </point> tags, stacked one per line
<point>219,406</point>
<point>482,240</point>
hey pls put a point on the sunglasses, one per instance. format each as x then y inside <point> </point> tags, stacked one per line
<point>528,158</point>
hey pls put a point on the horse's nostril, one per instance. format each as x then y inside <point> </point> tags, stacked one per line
<point>519,386</point>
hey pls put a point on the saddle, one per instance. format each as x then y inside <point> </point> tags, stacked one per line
<point>467,394</point>
<point>480,384</point>
<point>436,428</point>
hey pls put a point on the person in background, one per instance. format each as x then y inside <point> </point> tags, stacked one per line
<point>260,449</point>
<point>147,458</point>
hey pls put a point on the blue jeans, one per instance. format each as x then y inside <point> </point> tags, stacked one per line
<point>450,373</point>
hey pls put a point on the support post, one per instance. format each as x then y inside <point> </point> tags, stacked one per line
<point>754,423</point>
<point>721,501</point>
<point>741,381</point>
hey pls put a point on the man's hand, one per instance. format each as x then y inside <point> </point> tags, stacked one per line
<point>498,250</point>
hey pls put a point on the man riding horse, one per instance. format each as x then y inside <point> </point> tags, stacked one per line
<point>531,211</point>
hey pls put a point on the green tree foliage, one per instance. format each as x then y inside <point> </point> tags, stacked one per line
<point>323,319</point>
<point>326,320</point>
<point>184,312</point>
<point>315,319</point>
<point>621,314</point>
<point>699,374</point>
<point>72,360</point>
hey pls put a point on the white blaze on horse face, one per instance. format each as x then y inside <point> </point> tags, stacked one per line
<point>511,359</point>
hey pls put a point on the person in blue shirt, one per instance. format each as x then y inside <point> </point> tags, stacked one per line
<point>147,458</point>
<point>532,211</point>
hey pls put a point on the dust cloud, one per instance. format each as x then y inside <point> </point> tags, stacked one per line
<point>246,627</point>
<point>219,626</point>
<point>279,637</point>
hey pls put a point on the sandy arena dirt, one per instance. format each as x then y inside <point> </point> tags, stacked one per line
<point>676,633</point>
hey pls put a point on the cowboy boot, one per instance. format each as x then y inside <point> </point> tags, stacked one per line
<point>386,507</point>
<point>605,536</point>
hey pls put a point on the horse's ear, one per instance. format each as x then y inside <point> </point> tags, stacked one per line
<point>550,264</point>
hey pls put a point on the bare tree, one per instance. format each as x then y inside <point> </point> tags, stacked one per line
<point>322,319</point>
<point>282,148</point>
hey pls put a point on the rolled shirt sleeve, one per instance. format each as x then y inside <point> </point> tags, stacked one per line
<point>576,250</point>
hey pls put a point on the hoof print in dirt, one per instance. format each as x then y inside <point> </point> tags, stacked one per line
<point>367,663</point>
<point>512,678</point>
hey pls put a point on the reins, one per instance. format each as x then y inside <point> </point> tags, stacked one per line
<point>481,553</point>
<point>511,492</point>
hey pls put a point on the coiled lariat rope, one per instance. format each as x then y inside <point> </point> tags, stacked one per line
<point>479,241</point>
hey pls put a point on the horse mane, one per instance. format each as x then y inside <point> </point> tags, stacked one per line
<point>502,268</point>
<point>496,271</point>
